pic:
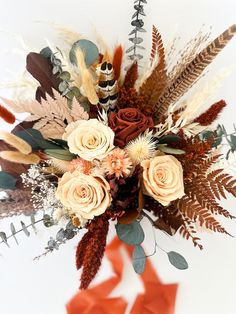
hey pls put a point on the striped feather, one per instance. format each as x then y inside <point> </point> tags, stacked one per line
<point>152,88</point>
<point>192,71</point>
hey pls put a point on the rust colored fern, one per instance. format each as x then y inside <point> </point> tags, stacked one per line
<point>157,81</point>
<point>154,43</point>
<point>211,114</point>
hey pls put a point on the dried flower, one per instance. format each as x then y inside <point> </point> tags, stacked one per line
<point>61,166</point>
<point>141,148</point>
<point>80,165</point>
<point>16,142</point>
<point>20,158</point>
<point>6,115</point>
<point>117,163</point>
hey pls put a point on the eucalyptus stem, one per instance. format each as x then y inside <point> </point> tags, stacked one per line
<point>22,229</point>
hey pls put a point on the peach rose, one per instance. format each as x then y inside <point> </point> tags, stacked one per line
<point>90,139</point>
<point>163,179</point>
<point>83,194</point>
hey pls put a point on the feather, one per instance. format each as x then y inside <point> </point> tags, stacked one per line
<point>192,71</point>
<point>152,88</point>
<point>41,69</point>
<point>6,115</point>
<point>131,76</point>
<point>117,61</point>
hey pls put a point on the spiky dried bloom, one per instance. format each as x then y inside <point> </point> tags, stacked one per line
<point>81,165</point>
<point>211,114</point>
<point>20,158</point>
<point>16,142</point>
<point>141,148</point>
<point>117,163</point>
<point>94,252</point>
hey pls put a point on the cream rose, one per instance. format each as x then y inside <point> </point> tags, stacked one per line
<point>84,195</point>
<point>90,139</point>
<point>163,179</point>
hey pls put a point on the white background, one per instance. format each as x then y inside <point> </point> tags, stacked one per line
<point>28,287</point>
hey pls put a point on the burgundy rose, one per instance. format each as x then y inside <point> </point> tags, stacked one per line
<point>127,124</point>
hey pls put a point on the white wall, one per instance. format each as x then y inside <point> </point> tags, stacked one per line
<point>28,287</point>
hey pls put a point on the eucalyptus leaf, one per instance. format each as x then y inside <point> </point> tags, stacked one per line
<point>139,259</point>
<point>130,233</point>
<point>46,52</point>
<point>170,150</point>
<point>61,154</point>
<point>24,228</point>
<point>63,86</point>
<point>130,49</point>
<point>177,260</point>
<point>7,181</point>
<point>4,238</point>
<point>233,141</point>
<point>48,221</point>
<point>65,76</point>
<point>90,50</point>
<point>13,231</point>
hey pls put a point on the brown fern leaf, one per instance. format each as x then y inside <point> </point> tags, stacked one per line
<point>219,182</point>
<point>81,249</point>
<point>131,76</point>
<point>154,43</point>
<point>192,71</point>
<point>187,230</point>
<point>94,254</point>
<point>152,88</point>
<point>194,211</point>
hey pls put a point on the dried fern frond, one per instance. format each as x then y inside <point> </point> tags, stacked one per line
<point>192,71</point>
<point>52,115</point>
<point>153,86</point>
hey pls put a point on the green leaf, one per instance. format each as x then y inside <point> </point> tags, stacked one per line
<point>35,139</point>
<point>61,154</point>
<point>169,138</point>
<point>7,181</point>
<point>139,259</point>
<point>170,150</point>
<point>65,76</point>
<point>89,49</point>
<point>48,221</point>
<point>13,231</point>
<point>233,141</point>
<point>177,260</point>
<point>24,228</point>
<point>131,233</point>
<point>46,52</point>
<point>4,238</point>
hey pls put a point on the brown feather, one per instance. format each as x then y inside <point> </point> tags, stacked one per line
<point>192,71</point>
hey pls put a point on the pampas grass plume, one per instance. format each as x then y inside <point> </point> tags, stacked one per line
<point>20,158</point>
<point>16,142</point>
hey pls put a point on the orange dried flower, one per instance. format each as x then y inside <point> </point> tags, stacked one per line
<point>80,165</point>
<point>117,163</point>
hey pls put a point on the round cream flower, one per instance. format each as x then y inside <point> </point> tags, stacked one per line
<point>163,179</point>
<point>90,139</point>
<point>84,195</point>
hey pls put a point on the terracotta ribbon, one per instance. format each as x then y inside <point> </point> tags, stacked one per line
<point>157,299</point>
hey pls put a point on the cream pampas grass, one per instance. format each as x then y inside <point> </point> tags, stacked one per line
<point>20,158</point>
<point>16,142</point>
<point>60,166</point>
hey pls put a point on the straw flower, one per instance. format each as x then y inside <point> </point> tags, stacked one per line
<point>117,163</point>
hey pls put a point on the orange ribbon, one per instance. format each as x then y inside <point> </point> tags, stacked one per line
<point>157,299</point>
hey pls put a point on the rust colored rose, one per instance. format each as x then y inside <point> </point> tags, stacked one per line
<point>127,124</point>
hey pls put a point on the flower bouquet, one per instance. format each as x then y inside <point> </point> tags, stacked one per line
<point>108,141</point>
